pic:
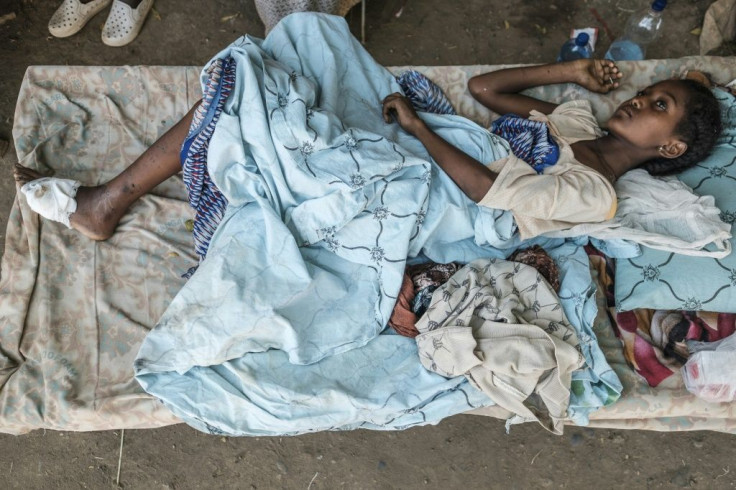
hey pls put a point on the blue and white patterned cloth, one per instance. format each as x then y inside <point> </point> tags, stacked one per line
<point>281,330</point>
<point>529,140</point>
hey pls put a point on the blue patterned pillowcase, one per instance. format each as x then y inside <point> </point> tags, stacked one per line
<point>667,281</point>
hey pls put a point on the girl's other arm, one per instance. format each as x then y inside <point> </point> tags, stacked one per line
<point>499,90</point>
<point>471,176</point>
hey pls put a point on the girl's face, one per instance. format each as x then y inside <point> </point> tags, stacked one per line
<point>649,120</point>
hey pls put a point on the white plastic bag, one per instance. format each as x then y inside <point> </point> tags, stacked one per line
<point>710,371</point>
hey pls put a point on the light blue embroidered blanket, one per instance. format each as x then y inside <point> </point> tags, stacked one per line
<point>281,329</point>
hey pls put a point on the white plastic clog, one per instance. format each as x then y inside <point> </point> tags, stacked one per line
<point>124,22</point>
<point>72,15</point>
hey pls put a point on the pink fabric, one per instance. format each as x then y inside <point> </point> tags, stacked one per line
<point>655,341</point>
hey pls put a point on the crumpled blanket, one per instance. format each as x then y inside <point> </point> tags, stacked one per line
<point>501,325</point>
<point>280,323</point>
<point>281,328</point>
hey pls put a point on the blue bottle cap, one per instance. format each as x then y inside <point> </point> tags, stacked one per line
<point>582,39</point>
<point>659,5</point>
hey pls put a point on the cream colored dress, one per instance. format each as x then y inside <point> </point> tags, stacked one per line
<point>567,193</point>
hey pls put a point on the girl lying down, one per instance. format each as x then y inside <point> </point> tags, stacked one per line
<point>665,128</point>
<point>282,329</point>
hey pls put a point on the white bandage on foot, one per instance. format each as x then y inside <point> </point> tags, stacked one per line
<point>52,198</point>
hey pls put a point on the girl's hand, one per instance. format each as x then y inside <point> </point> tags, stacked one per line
<point>600,76</point>
<point>400,107</point>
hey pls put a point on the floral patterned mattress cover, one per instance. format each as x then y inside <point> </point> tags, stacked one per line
<point>73,312</point>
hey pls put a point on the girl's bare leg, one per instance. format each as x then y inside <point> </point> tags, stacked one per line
<point>100,208</point>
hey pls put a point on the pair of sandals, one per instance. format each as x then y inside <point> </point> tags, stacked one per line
<point>122,26</point>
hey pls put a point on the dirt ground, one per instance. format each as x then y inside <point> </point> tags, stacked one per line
<point>461,452</point>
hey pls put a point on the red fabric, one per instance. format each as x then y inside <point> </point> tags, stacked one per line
<point>538,258</point>
<point>726,324</point>
<point>648,364</point>
<point>403,318</point>
<point>627,321</point>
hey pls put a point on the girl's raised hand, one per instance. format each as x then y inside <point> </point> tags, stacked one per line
<point>600,76</point>
<point>400,107</point>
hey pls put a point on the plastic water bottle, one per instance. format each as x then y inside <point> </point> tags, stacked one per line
<point>642,28</point>
<point>575,49</point>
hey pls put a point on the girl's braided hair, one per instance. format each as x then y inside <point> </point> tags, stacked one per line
<point>700,128</point>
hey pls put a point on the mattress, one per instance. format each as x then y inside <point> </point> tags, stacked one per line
<point>73,312</point>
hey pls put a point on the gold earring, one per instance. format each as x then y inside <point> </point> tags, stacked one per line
<point>661,147</point>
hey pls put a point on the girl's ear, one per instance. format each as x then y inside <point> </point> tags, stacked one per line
<point>672,149</point>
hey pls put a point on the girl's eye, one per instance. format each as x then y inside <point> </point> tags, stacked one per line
<point>662,105</point>
<point>640,93</point>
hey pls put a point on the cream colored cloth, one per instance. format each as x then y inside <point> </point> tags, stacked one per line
<point>661,213</point>
<point>500,324</point>
<point>719,25</point>
<point>567,193</point>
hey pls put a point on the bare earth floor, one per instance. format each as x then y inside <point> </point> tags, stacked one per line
<point>461,452</point>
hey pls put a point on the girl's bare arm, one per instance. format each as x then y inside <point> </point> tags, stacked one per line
<point>500,90</point>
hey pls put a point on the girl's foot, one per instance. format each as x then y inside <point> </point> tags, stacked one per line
<point>96,216</point>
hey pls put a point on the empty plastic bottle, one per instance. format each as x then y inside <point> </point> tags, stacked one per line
<point>642,28</point>
<point>577,48</point>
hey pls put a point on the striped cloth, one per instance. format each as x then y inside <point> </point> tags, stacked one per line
<point>204,196</point>
<point>424,94</point>
<point>529,140</point>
